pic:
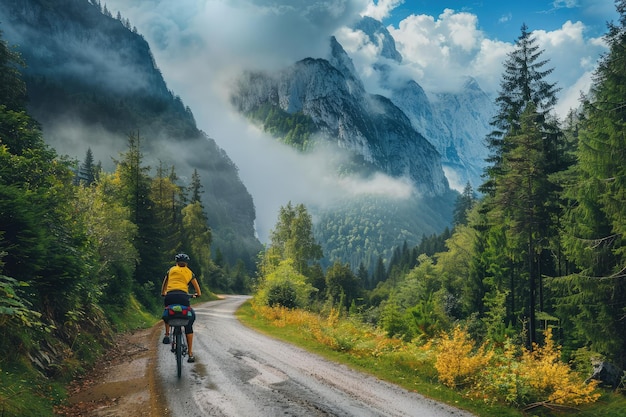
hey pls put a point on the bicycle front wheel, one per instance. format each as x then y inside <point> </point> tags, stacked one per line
<point>179,352</point>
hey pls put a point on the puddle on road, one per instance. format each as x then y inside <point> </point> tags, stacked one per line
<point>267,375</point>
<point>201,375</point>
<point>200,370</point>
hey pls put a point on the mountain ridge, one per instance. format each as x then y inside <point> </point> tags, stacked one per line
<point>454,122</point>
<point>92,80</point>
<point>345,114</point>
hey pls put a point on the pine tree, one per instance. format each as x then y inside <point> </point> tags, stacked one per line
<point>196,187</point>
<point>594,298</point>
<point>166,197</point>
<point>463,205</point>
<point>521,202</point>
<point>135,194</point>
<point>526,150</point>
<point>523,82</point>
<point>87,170</point>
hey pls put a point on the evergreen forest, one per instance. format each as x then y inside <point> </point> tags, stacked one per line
<point>536,255</point>
<point>538,251</point>
<point>81,247</point>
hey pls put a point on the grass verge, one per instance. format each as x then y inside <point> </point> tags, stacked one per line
<point>407,372</point>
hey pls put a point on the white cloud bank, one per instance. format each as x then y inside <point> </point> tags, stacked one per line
<point>438,52</point>
<point>200,45</point>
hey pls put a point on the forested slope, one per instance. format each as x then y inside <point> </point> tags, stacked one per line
<point>92,81</point>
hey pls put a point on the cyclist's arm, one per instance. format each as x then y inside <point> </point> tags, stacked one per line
<point>196,286</point>
<point>164,285</point>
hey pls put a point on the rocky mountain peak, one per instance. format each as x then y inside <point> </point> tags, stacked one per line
<point>370,126</point>
<point>379,35</point>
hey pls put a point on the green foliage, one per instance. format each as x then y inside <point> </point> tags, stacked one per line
<point>12,88</point>
<point>592,294</point>
<point>284,286</point>
<point>25,393</point>
<point>295,129</point>
<point>292,238</point>
<point>392,320</point>
<point>464,204</point>
<point>110,233</point>
<point>283,294</point>
<point>522,207</point>
<point>198,237</point>
<point>342,286</point>
<point>364,230</point>
<point>15,310</point>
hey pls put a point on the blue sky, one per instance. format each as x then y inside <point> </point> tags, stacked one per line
<point>502,19</point>
<point>201,45</point>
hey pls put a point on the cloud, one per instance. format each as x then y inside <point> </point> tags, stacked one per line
<point>505,18</point>
<point>242,33</point>
<point>572,71</point>
<point>202,45</point>
<point>568,4</point>
<point>381,9</point>
<point>440,52</point>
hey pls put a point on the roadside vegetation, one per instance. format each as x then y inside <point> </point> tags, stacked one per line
<point>488,381</point>
<point>516,306</point>
<point>83,252</point>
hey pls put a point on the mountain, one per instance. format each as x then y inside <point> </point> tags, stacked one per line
<point>326,98</point>
<point>430,138</point>
<point>454,122</point>
<point>343,113</point>
<point>92,81</point>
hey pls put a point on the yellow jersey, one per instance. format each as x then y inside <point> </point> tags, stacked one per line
<point>178,278</point>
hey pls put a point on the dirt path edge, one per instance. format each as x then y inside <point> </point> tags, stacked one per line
<point>123,382</point>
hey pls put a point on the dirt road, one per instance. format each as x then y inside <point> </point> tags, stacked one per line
<point>238,373</point>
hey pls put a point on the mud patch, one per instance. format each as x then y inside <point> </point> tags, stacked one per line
<point>122,383</point>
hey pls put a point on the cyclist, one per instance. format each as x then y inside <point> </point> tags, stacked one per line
<point>175,289</point>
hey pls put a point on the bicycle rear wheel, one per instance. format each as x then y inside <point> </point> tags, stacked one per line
<point>179,351</point>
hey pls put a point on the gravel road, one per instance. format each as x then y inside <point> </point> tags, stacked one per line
<point>240,373</point>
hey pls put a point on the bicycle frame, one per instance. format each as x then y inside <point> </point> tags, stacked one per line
<point>179,343</point>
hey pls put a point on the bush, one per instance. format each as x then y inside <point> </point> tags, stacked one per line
<point>522,377</point>
<point>458,361</point>
<point>282,294</point>
<point>284,286</point>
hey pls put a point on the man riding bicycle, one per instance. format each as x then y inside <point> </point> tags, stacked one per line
<point>175,289</point>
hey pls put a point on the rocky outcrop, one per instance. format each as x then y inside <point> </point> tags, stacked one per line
<point>454,122</point>
<point>370,126</point>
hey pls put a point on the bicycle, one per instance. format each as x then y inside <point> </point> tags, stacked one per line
<point>178,317</point>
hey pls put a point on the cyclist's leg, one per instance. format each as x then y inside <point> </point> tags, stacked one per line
<point>189,334</point>
<point>166,338</point>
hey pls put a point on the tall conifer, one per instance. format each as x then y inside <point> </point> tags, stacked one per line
<point>525,148</point>
<point>594,298</point>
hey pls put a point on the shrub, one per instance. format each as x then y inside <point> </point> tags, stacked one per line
<point>284,286</point>
<point>458,361</point>
<point>282,294</point>
<point>553,380</point>
<point>522,377</point>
